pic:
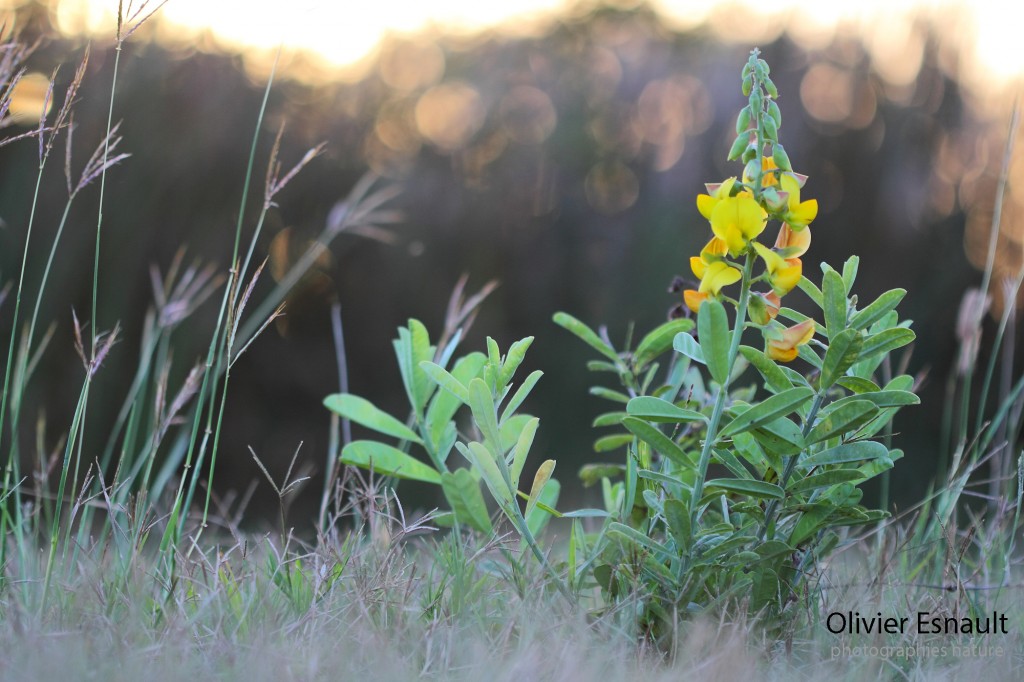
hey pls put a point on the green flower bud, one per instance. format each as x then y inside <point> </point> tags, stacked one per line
<point>757,311</point>
<point>738,145</point>
<point>771,130</point>
<point>753,167</point>
<point>743,120</point>
<point>781,158</point>
<point>775,112</point>
<point>748,85</point>
<point>770,88</point>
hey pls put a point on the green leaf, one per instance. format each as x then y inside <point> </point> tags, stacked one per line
<point>842,352</point>
<point>883,398</point>
<point>462,491</point>
<point>850,268</point>
<point>362,411</point>
<point>421,351</point>
<point>687,345</point>
<point>833,302</point>
<point>612,442</point>
<point>847,452</point>
<point>586,334</point>
<point>781,437</point>
<point>658,410</point>
<point>812,291</point>
<point>857,384</point>
<point>544,507</point>
<point>511,430</point>
<point>445,403</point>
<point>608,419</point>
<point>773,375</point>
<point>678,518</point>
<point>636,536</point>
<point>886,341</point>
<point>482,404</point>
<point>521,393</point>
<point>446,380</point>
<point>809,523</point>
<point>825,480</point>
<point>744,486</point>
<point>608,394</point>
<point>660,340</point>
<point>657,440</point>
<point>862,319</point>
<point>770,409</point>
<point>513,359</point>
<point>484,461</point>
<point>713,334</point>
<point>522,449</point>
<point>540,479</point>
<point>387,460</point>
<point>846,418</point>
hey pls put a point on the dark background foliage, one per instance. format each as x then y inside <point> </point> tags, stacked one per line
<point>571,179</point>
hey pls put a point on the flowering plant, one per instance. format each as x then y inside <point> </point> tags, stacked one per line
<point>735,490</point>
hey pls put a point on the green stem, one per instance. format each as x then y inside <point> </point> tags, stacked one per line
<point>723,390</point>
<point>769,514</point>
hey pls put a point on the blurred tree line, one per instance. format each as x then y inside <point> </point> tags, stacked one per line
<point>564,165</point>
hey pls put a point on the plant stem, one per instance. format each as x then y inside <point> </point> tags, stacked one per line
<point>723,390</point>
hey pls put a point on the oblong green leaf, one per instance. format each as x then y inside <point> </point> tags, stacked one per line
<point>636,536</point>
<point>657,440</point>
<point>660,340</point>
<point>833,302</point>
<point>862,319</point>
<point>759,489</point>
<point>774,378</point>
<point>847,452</point>
<point>885,341</point>
<point>843,350</point>
<point>513,359</point>
<point>482,405</point>
<point>658,410</point>
<point>857,384</point>
<point>384,459</point>
<point>521,394</point>
<point>446,380</point>
<point>825,479</point>
<point>844,418</point>
<point>687,345</point>
<point>769,410</point>
<point>362,411</point>
<point>462,491</point>
<point>586,334</point>
<point>612,442</point>
<point>713,335</point>
<point>522,449</point>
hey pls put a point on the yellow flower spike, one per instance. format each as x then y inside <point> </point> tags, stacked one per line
<point>783,273</point>
<point>797,243</point>
<point>787,348</point>
<point>799,214</point>
<point>737,220</point>
<point>717,275</point>
<point>706,202</point>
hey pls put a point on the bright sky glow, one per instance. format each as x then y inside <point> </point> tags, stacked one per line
<point>342,33</point>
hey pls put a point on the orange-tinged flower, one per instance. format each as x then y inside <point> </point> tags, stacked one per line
<point>783,273</point>
<point>736,220</point>
<point>714,273</point>
<point>793,243</point>
<point>799,214</point>
<point>787,348</point>
<point>763,307</point>
<point>693,299</point>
